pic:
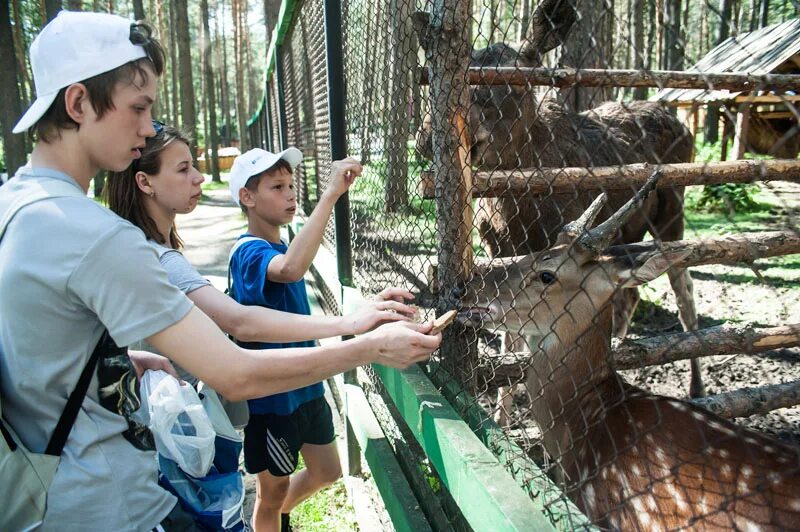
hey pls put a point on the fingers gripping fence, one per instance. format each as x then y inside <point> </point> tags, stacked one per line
<point>531,164</point>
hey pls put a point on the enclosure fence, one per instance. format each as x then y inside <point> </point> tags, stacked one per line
<point>486,131</point>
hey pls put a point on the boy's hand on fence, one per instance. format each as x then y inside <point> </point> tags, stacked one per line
<point>405,343</point>
<point>375,313</point>
<point>343,174</point>
<point>144,360</point>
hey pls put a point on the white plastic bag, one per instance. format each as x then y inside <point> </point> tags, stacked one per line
<point>179,423</point>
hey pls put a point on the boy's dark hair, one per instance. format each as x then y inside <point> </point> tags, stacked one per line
<point>252,182</point>
<point>101,86</point>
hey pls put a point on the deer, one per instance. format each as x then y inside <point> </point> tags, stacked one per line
<point>630,460</point>
<point>510,128</point>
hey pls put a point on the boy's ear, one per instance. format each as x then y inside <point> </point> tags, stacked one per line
<point>246,197</point>
<point>76,101</point>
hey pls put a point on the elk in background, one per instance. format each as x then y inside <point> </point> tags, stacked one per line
<point>510,128</point>
<point>630,460</point>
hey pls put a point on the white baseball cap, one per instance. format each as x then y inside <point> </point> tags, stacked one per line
<point>254,162</point>
<point>74,47</point>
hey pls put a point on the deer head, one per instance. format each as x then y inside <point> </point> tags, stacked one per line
<point>559,291</point>
<point>500,116</point>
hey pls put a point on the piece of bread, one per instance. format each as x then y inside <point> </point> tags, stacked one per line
<point>443,321</point>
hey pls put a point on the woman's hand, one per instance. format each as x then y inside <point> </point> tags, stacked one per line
<point>144,360</point>
<point>394,293</point>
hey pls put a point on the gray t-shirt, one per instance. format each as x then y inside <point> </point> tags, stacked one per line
<point>183,275</point>
<point>68,269</point>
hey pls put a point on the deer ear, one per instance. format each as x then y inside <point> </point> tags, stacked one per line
<point>646,266</point>
<point>550,25</point>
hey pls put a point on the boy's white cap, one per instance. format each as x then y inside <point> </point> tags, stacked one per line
<point>73,47</point>
<point>254,162</point>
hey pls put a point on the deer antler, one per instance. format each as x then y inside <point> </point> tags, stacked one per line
<point>574,229</point>
<point>598,239</point>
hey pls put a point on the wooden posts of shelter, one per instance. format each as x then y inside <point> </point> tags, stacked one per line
<point>447,48</point>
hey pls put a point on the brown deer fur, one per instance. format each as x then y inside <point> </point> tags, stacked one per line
<point>629,459</point>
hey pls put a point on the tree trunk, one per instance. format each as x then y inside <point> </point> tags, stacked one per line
<point>639,93</point>
<point>188,115</point>
<point>10,103</point>
<point>51,8</point>
<point>238,52</point>
<point>173,61</point>
<point>587,47</point>
<point>524,18</point>
<point>138,10</point>
<point>673,44</point>
<point>712,116</point>
<point>763,15</point>
<point>447,47</point>
<point>396,191</point>
<point>25,85</point>
<point>212,137</point>
<point>364,136</point>
<point>224,87</point>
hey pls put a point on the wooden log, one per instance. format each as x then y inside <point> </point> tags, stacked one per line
<point>627,177</point>
<point>752,401</point>
<point>723,339</point>
<point>568,77</point>
<point>742,127</point>
<point>726,339</point>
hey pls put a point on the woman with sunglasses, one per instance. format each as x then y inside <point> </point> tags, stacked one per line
<point>163,183</point>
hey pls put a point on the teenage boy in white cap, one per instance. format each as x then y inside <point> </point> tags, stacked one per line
<point>70,268</point>
<point>266,271</point>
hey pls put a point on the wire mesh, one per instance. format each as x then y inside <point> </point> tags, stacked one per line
<point>537,352</point>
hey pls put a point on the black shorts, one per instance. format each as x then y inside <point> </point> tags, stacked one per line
<point>273,442</point>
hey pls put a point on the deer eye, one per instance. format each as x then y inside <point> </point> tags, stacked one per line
<point>547,277</point>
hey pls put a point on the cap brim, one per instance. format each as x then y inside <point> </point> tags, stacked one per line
<point>35,112</point>
<point>292,155</point>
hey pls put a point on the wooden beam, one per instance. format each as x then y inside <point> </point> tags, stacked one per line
<point>723,339</point>
<point>624,177</point>
<point>767,98</point>
<point>726,339</point>
<point>569,77</point>
<point>484,491</point>
<point>752,401</point>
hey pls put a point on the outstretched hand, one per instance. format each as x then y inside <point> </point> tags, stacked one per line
<point>394,293</point>
<point>405,343</point>
<point>375,313</point>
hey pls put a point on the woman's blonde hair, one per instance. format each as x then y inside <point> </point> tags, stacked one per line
<point>124,196</point>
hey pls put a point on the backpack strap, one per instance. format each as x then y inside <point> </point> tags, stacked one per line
<point>236,246</point>
<point>40,190</point>
<point>70,413</point>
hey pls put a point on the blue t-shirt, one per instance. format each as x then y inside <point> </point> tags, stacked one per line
<point>249,286</point>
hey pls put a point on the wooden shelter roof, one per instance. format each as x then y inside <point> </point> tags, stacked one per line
<point>757,53</point>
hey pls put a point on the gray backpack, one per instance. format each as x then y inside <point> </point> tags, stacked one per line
<point>30,474</point>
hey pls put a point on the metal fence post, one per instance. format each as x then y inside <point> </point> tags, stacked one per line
<point>338,138</point>
<point>282,125</point>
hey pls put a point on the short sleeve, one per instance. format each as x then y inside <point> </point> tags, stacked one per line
<point>181,273</point>
<point>120,279</point>
<point>249,272</point>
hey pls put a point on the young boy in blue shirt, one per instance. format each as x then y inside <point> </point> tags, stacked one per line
<point>266,271</point>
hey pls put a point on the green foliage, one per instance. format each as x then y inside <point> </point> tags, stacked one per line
<point>729,197</point>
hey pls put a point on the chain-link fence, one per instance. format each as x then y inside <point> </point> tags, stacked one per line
<point>485,128</point>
